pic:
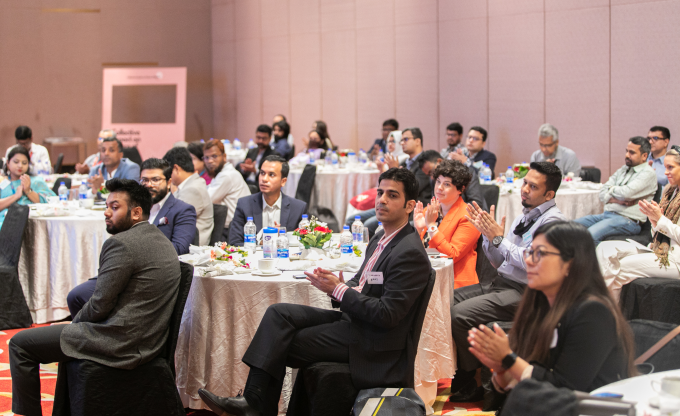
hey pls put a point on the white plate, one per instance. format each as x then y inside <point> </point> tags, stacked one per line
<point>256,272</point>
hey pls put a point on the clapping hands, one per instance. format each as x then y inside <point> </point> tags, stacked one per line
<point>423,217</point>
<point>652,210</point>
<point>484,221</point>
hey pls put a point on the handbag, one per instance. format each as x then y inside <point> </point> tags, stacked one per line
<point>388,401</point>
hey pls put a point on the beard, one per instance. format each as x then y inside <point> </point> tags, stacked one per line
<point>160,194</point>
<point>217,170</point>
<point>123,225</point>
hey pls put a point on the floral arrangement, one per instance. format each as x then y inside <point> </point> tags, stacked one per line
<point>357,251</point>
<point>316,234</point>
<point>103,190</point>
<point>228,255</point>
<point>521,170</point>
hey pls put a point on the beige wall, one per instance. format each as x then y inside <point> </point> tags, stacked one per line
<point>600,70</point>
<point>51,62</point>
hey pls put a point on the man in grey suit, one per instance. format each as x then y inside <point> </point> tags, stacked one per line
<point>371,331</point>
<point>125,323</point>
<point>191,189</point>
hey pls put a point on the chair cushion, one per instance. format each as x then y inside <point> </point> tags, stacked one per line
<point>652,298</point>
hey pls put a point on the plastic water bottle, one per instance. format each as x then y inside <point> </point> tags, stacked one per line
<point>351,157</point>
<point>357,230</point>
<point>269,242</point>
<point>346,241</point>
<point>334,159</point>
<point>380,228</point>
<point>363,158</point>
<point>82,191</point>
<point>305,221</point>
<point>249,233</point>
<point>381,156</point>
<point>311,156</point>
<point>251,144</point>
<point>485,173</point>
<point>237,144</point>
<point>329,157</point>
<point>282,245</point>
<point>509,175</point>
<point>63,192</point>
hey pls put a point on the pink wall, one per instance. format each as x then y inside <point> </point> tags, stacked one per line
<point>601,71</point>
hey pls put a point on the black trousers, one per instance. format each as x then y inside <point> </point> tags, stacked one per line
<point>79,295</point>
<point>27,350</point>
<point>296,336</point>
<point>473,306</point>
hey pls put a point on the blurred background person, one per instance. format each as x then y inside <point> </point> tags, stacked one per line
<point>39,158</point>
<point>95,159</point>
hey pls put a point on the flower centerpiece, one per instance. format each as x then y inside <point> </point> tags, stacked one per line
<point>313,237</point>
<point>235,255</point>
<point>521,170</point>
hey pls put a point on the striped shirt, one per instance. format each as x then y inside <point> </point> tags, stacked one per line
<point>340,289</point>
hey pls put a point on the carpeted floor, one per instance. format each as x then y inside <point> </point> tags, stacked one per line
<point>48,378</point>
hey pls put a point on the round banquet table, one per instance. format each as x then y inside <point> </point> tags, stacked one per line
<point>333,189</point>
<point>222,314</point>
<point>57,254</point>
<point>639,389</point>
<point>574,203</point>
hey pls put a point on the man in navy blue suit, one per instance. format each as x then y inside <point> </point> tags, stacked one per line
<point>270,207</point>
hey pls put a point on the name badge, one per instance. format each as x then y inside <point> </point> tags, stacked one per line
<point>4,184</point>
<point>526,238</point>
<point>374,278</point>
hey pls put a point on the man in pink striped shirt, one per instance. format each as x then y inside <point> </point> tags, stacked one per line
<point>372,329</point>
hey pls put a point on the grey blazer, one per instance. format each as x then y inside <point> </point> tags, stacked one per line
<point>125,322</point>
<point>194,192</point>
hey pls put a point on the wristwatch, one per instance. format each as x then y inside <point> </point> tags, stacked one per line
<point>497,240</point>
<point>509,361</point>
<point>432,229</point>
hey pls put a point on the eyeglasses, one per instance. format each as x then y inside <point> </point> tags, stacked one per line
<point>474,139</point>
<point>537,254</point>
<point>213,157</point>
<point>656,138</point>
<point>547,146</point>
<point>152,181</point>
<point>404,139</point>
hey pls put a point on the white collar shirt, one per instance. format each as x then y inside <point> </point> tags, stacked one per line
<point>271,214</point>
<point>156,208</point>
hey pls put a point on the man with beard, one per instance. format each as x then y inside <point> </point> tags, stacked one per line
<point>227,185</point>
<point>634,181</point>
<point>125,323</point>
<point>454,140</point>
<point>250,167</point>
<point>175,218</point>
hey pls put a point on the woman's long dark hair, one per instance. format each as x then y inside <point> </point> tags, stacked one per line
<point>535,320</point>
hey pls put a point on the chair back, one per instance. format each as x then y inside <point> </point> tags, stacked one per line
<point>12,234</point>
<point>57,183</point>
<point>60,161</point>
<point>132,153</point>
<point>486,273</point>
<point>219,218</point>
<point>491,194</point>
<point>422,309</point>
<point>657,195</point>
<point>325,215</point>
<point>591,174</point>
<point>186,277</point>
<point>290,154</point>
<point>647,333</point>
<point>197,239</point>
<point>306,184</point>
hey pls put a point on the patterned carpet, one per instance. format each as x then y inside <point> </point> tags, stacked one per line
<point>48,378</point>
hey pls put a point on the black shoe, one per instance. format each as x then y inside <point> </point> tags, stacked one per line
<point>227,406</point>
<point>461,379</point>
<point>468,393</point>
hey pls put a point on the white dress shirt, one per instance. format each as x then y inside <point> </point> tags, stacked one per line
<point>271,214</point>
<point>156,208</point>
<point>226,189</point>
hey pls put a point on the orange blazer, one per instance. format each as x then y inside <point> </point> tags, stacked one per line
<point>457,238</point>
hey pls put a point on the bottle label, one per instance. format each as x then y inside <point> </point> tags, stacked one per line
<point>63,197</point>
<point>282,253</point>
<point>83,196</point>
<point>249,239</point>
<point>347,249</point>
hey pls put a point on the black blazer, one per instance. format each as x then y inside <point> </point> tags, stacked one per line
<point>588,354</point>
<point>252,206</point>
<point>252,155</point>
<point>381,345</point>
<point>424,187</point>
<point>486,157</point>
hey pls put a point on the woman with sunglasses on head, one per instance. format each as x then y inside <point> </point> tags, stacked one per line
<point>568,329</point>
<point>622,262</point>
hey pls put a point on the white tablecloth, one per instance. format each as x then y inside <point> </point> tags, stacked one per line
<point>639,389</point>
<point>574,203</point>
<point>57,254</point>
<point>223,312</point>
<point>334,188</point>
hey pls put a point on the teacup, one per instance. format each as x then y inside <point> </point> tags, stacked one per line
<point>266,265</point>
<point>87,203</point>
<point>53,200</point>
<point>669,385</point>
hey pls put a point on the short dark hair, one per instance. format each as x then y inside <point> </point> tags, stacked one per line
<point>196,149</point>
<point>664,131</point>
<point>114,139</point>
<point>138,195</point>
<point>459,174</point>
<point>480,130</point>
<point>284,165</point>
<point>415,131</point>
<point>553,174</point>
<point>263,128</point>
<point>23,133</point>
<point>428,156</point>
<point>181,157</point>
<point>155,163</point>
<point>391,122</point>
<point>283,125</point>
<point>455,127</point>
<point>643,142</point>
<point>16,150</point>
<point>406,177</point>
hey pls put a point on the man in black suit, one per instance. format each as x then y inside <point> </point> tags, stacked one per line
<point>250,167</point>
<point>269,207</point>
<point>412,144</point>
<point>371,329</point>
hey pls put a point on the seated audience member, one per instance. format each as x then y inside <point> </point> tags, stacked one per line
<point>125,322</point>
<point>39,158</point>
<point>175,218</point>
<point>443,226</point>
<point>96,158</point>
<point>633,182</point>
<point>255,157</point>
<point>227,185</point>
<point>659,138</point>
<point>380,144</point>
<point>281,131</point>
<point>429,161</point>
<point>113,165</point>
<point>191,189</point>
<point>475,305</point>
<point>551,151</point>
<point>370,315</point>
<point>196,150</point>
<point>270,207</point>
<point>476,141</point>
<point>619,260</point>
<point>454,136</point>
<point>395,154</point>
<point>18,186</point>
<point>281,117</point>
<point>321,127</point>
<point>568,330</point>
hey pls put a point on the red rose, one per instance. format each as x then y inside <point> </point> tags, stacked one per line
<point>322,230</point>
<point>303,232</point>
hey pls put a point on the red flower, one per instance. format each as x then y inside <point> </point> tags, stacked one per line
<point>322,230</point>
<point>303,232</point>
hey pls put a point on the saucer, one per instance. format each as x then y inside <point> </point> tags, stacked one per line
<point>257,272</point>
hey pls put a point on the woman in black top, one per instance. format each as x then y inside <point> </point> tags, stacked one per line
<point>568,330</point>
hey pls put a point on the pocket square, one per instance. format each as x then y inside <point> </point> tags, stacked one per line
<point>163,221</point>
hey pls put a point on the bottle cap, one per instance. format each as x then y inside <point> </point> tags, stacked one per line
<point>379,223</point>
<point>304,216</point>
<point>250,218</point>
<point>63,183</point>
<point>356,217</point>
<point>346,227</point>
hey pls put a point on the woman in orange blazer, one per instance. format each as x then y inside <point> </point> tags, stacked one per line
<point>443,226</point>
